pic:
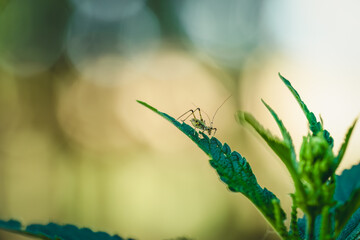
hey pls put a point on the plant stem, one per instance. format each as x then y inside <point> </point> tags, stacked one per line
<point>310,228</point>
<point>325,232</point>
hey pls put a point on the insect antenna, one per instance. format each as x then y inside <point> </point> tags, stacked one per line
<point>206,115</point>
<point>211,123</point>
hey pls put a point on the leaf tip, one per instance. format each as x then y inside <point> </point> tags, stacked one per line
<point>356,119</point>
<point>266,105</point>
<point>240,117</point>
<point>147,105</point>
<point>288,84</point>
<point>141,102</point>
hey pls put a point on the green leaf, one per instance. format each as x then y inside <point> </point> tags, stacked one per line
<point>302,223</point>
<point>347,192</point>
<point>346,210</point>
<point>346,183</point>
<point>314,125</point>
<point>344,146</point>
<point>294,228</point>
<point>276,144</point>
<point>279,221</point>
<point>351,231</point>
<point>286,136</point>
<point>233,170</point>
<point>283,148</point>
<point>10,225</point>
<point>56,232</point>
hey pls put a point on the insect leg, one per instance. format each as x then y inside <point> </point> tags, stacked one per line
<point>215,129</point>
<point>201,118</point>
<point>191,113</point>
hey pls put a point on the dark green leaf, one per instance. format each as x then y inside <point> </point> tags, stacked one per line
<point>345,211</point>
<point>346,183</point>
<point>56,232</point>
<point>302,222</point>
<point>233,170</point>
<point>10,225</point>
<point>351,231</point>
<point>348,193</point>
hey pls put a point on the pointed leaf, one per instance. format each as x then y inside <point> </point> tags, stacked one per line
<point>56,232</point>
<point>344,145</point>
<point>233,170</point>
<point>314,125</point>
<point>286,136</point>
<point>276,144</point>
<point>283,148</point>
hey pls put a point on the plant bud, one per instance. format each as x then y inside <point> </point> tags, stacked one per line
<point>316,158</point>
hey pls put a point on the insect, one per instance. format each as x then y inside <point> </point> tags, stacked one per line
<point>200,123</point>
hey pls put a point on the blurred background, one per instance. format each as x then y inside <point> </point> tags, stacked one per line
<point>75,147</point>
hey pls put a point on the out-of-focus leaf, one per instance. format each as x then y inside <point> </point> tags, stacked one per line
<point>56,232</point>
<point>294,228</point>
<point>286,136</point>
<point>344,145</point>
<point>10,225</point>
<point>302,222</point>
<point>283,148</point>
<point>314,125</point>
<point>346,183</point>
<point>349,194</point>
<point>351,231</point>
<point>276,144</point>
<point>233,170</point>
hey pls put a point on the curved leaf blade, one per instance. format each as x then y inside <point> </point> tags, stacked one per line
<point>344,145</point>
<point>275,143</point>
<point>287,138</point>
<point>54,231</point>
<point>283,148</point>
<point>234,171</point>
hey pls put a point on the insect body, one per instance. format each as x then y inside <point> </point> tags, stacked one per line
<point>200,123</point>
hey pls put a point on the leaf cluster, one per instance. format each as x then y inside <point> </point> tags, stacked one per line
<point>330,203</point>
<point>328,214</point>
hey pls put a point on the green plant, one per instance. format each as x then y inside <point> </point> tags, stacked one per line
<point>56,232</point>
<point>330,212</point>
<point>330,202</point>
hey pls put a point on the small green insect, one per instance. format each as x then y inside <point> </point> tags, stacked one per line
<point>199,123</point>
